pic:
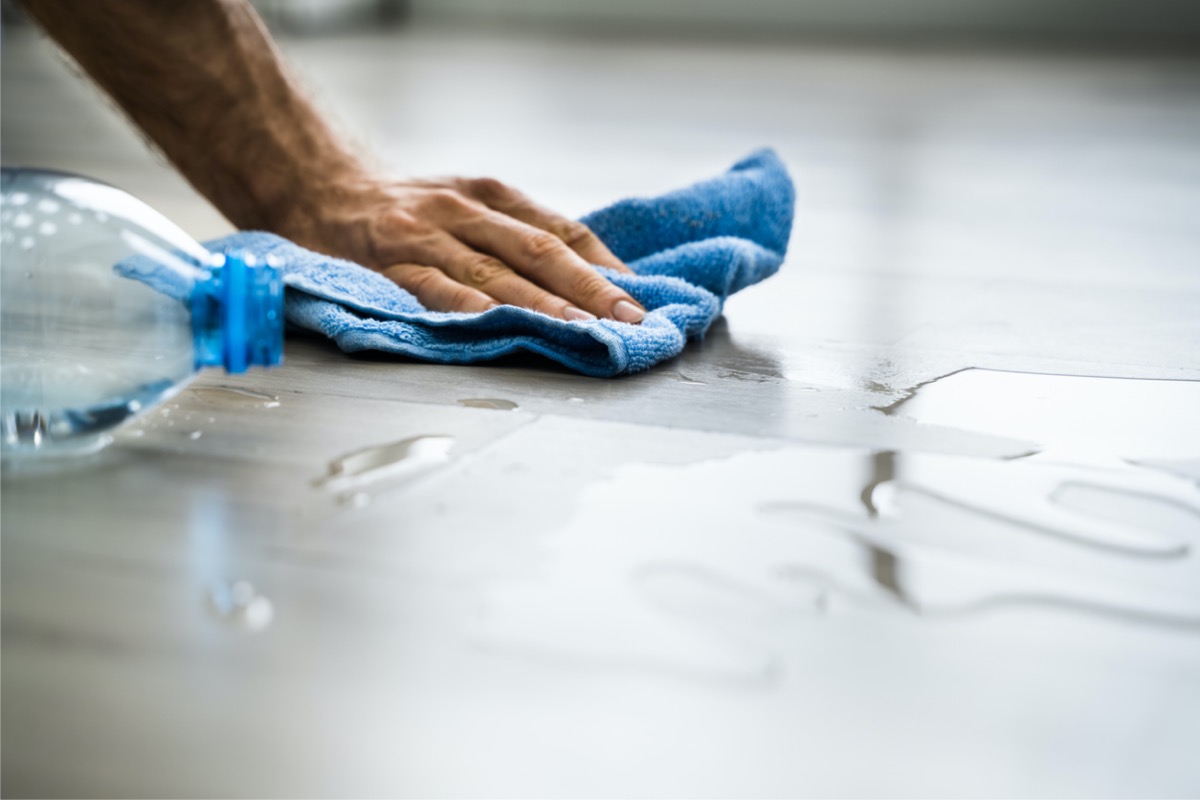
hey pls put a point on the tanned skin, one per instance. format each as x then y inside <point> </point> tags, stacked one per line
<point>204,81</point>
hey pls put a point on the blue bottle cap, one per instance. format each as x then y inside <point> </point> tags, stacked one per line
<point>237,315</point>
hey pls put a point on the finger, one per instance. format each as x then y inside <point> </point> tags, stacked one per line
<point>490,276</point>
<point>575,235</point>
<point>436,290</point>
<point>546,261</point>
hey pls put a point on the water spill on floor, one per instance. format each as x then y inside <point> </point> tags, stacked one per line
<point>393,461</point>
<point>1072,418</point>
<point>748,376</point>
<point>1023,495</point>
<point>229,396</point>
<point>496,403</point>
<point>684,378</point>
<point>190,415</point>
<point>728,559</point>
<point>239,605</point>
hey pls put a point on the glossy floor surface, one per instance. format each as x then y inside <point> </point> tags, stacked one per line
<point>919,516</point>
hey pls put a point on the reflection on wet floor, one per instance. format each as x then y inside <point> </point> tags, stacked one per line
<point>230,396</point>
<point>771,538</point>
<point>1022,495</point>
<point>1069,417</point>
<point>393,461</point>
<point>496,403</point>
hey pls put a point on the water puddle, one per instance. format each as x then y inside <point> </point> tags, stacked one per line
<point>1170,514</point>
<point>489,402</point>
<point>729,559</point>
<point>1080,419</point>
<point>1026,496</point>
<point>393,461</point>
<point>239,605</point>
<point>228,396</point>
<point>690,590</point>
<point>1185,468</point>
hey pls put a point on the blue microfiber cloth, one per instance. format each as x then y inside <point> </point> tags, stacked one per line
<point>690,249</point>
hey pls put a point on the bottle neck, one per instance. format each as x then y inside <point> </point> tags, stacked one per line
<point>237,315</point>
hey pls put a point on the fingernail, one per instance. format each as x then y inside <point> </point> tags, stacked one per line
<point>626,311</point>
<point>573,313</point>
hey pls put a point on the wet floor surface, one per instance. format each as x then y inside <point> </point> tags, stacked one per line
<point>920,516</point>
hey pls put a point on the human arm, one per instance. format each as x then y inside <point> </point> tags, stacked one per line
<point>204,81</point>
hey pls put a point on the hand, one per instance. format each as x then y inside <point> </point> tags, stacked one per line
<point>462,244</point>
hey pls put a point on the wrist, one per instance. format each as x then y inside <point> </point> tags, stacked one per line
<point>312,206</point>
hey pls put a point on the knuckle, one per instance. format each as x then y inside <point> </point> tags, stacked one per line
<point>589,287</point>
<point>545,303</point>
<point>490,189</point>
<point>484,271</point>
<point>542,246</point>
<point>572,233</point>
<point>421,279</point>
<point>463,297</point>
<point>395,227</point>
<point>445,200</point>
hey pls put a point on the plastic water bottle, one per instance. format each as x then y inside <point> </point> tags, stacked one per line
<point>107,308</point>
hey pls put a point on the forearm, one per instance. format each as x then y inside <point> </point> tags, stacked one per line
<point>206,84</point>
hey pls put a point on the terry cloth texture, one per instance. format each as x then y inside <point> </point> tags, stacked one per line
<point>690,249</point>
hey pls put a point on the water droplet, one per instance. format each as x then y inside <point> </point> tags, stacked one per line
<point>489,402</point>
<point>47,229</point>
<point>18,198</point>
<point>28,275</point>
<point>239,604</point>
<point>194,435</point>
<point>212,420</point>
<point>27,243</point>
<point>575,400</point>
<point>404,459</point>
<point>136,433</point>
<point>47,206</point>
<point>74,218</point>
<point>227,395</point>
<point>22,220</point>
<point>100,216</point>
